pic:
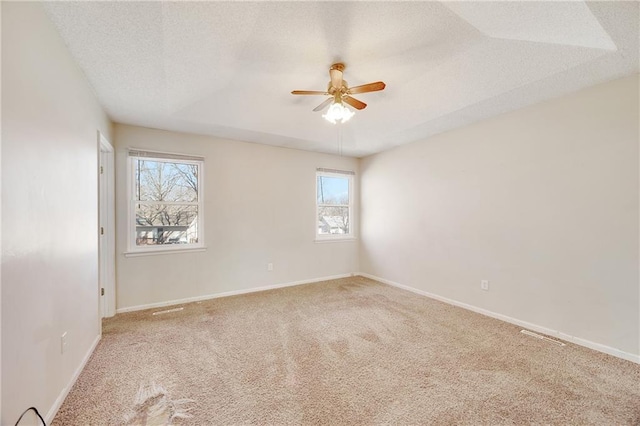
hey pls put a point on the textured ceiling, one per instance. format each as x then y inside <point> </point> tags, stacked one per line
<point>227,68</point>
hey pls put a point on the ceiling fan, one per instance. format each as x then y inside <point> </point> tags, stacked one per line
<point>340,94</point>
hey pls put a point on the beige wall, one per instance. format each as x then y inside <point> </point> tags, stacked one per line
<point>543,202</point>
<point>50,121</point>
<point>259,208</point>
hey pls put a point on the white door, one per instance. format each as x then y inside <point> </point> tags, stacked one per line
<point>106,231</point>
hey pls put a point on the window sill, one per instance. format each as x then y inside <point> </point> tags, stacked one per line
<point>334,240</point>
<point>158,252</point>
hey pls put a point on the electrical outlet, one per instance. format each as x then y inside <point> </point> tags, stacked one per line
<point>484,285</point>
<point>269,266</point>
<point>63,343</point>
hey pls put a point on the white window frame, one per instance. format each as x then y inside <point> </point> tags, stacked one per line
<point>321,172</point>
<point>165,157</point>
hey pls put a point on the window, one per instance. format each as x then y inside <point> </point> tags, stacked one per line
<point>166,201</point>
<point>334,204</point>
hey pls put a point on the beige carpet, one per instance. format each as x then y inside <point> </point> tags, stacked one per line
<point>348,351</point>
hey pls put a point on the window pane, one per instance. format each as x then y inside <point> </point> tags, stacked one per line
<point>333,190</point>
<point>162,181</point>
<point>159,224</point>
<point>333,220</point>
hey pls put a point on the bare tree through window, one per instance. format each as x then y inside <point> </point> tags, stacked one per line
<point>333,204</point>
<point>166,202</point>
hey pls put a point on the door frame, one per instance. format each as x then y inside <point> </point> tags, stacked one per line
<point>106,228</point>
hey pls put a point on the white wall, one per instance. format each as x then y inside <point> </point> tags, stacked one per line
<point>543,202</point>
<point>50,121</point>
<point>259,208</point>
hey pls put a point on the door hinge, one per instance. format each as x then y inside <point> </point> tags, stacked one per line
<point>102,291</point>
<point>101,170</point>
<point>101,230</point>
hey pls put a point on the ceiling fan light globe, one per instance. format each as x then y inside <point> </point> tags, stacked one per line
<point>338,112</point>
<point>347,114</point>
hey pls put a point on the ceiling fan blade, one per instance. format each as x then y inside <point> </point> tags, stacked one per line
<point>371,87</point>
<point>323,105</point>
<point>354,102</point>
<point>308,92</point>
<point>336,75</point>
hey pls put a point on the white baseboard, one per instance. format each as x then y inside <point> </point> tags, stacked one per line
<point>226,294</point>
<point>63,395</point>
<point>559,334</point>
